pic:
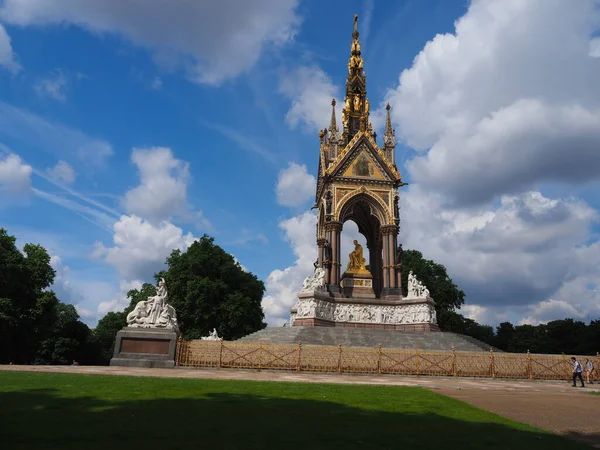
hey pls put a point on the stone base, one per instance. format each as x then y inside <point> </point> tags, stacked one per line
<point>145,347</point>
<point>358,285</point>
<point>321,309</point>
<point>370,326</point>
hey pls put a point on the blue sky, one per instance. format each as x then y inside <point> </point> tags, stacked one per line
<point>126,132</point>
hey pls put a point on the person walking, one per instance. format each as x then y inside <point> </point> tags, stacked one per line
<point>589,369</point>
<point>576,372</point>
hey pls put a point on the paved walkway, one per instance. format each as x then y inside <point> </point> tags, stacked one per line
<point>550,405</point>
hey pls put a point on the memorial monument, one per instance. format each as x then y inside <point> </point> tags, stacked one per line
<point>150,337</point>
<point>359,181</point>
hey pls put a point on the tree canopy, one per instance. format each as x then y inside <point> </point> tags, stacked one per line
<point>35,327</point>
<point>207,288</point>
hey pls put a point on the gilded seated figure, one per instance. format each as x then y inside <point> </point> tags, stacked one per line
<point>356,263</point>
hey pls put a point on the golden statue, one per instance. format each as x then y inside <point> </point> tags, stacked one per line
<point>347,104</point>
<point>367,105</point>
<point>356,263</point>
<point>345,118</point>
<point>357,103</point>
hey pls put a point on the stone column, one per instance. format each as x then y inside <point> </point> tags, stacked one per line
<point>334,229</point>
<point>388,233</point>
<point>321,252</point>
<point>384,244</point>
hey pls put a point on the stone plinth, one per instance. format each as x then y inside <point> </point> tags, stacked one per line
<point>320,309</point>
<point>359,285</point>
<point>145,347</point>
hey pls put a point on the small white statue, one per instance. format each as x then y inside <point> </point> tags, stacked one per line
<point>154,312</point>
<point>212,336</point>
<point>416,289</point>
<point>316,282</point>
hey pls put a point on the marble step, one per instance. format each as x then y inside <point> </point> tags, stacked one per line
<point>357,337</point>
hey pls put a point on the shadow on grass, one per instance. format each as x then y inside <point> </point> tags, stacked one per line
<point>41,419</point>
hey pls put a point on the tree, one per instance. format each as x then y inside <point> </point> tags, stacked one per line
<point>34,325</point>
<point>442,289</point>
<point>209,289</point>
<point>504,335</point>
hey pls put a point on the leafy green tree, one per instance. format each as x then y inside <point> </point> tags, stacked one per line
<point>504,335</point>
<point>35,327</point>
<point>209,289</point>
<point>442,289</point>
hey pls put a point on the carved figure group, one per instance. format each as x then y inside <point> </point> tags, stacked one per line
<point>416,289</point>
<point>154,312</point>
<point>212,336</point>
<point>399,314</point>
<point>316,282</point>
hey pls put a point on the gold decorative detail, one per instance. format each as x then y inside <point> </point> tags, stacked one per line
<point>357,103</point>
<point>367,107</point>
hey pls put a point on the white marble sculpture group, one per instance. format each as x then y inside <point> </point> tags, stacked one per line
<point>421,312</point>
<point>347,312</point>
<point>316,282</point>
<point>416,289</point>
<point>212,336</point>
<point>154,312</point>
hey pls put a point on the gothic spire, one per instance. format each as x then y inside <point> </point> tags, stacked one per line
<point>355,115</point>
<point>389,137</point>
<point>333,128</point>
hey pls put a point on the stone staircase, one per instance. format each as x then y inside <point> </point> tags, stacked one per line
<point>361,337</point>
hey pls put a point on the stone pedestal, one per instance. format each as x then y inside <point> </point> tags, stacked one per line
<point>321,309</point>
<point>145,347</point>
<point>357,285</point>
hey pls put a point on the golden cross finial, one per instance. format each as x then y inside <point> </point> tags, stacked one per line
<point>355,22</point>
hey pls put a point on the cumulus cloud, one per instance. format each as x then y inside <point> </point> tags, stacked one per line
<point>162,192</point>
<point>310,91</point>
<point>8,59</point>
<point>15,175</point>
<point>282,286</point>
<point>53,86</point>
<point>295,186</point>
<point>507,258</point>
<point>140,247</point>
<point>483,102</point>
<point>211,41</point>
<point>62,172</point>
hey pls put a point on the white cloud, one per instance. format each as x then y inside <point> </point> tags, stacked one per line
<point>62,172</point>
<point>310,91</point>
<point>15,175</point>
<point>482,101</point>
<point>295,186</point>
<point>53,86</point>
<point>119,301</point>
<point>211,41</point>
<point>162,192</point>
<point>282,286</point>
<point>140,247</point>
<point>508,258</point>
<point>59,140</point>
<point>8,58</point>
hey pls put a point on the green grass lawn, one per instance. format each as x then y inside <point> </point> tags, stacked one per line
<point>60,411</point>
